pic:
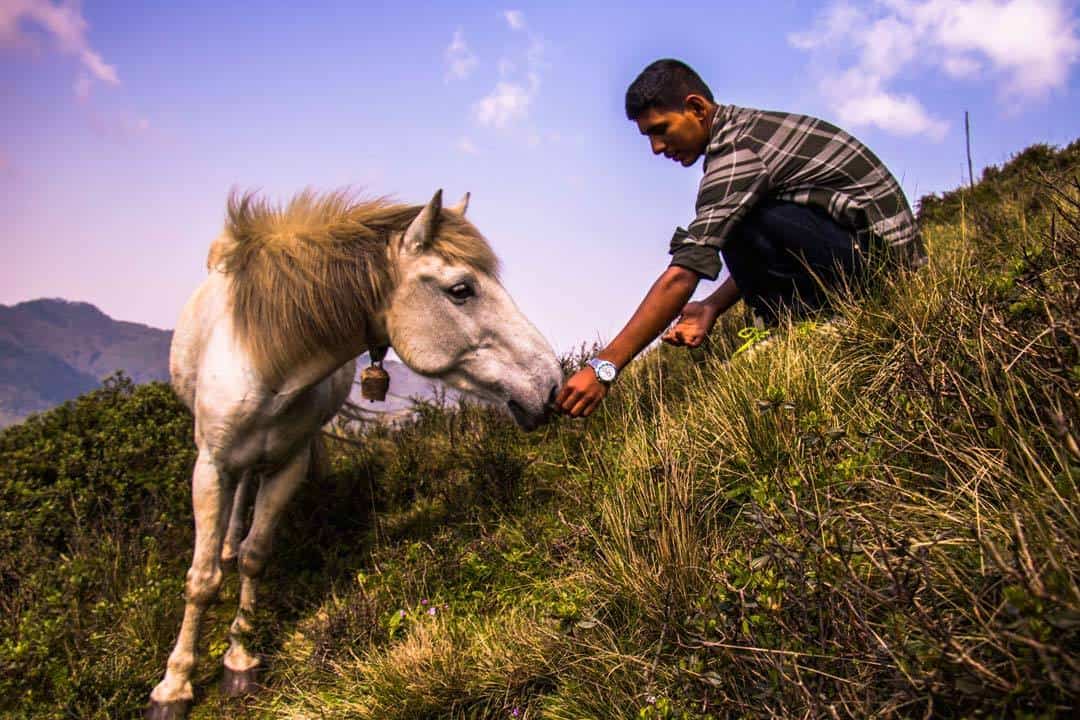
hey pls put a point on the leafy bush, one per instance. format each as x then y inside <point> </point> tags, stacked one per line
<point>93,504</point>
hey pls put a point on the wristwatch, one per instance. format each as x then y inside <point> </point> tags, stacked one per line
<point>605,370</point>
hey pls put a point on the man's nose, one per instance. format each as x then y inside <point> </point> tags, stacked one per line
<point>657,145</point>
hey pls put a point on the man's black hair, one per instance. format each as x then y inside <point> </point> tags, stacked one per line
<point>664,85</point>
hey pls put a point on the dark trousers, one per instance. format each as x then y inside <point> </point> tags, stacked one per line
<point>784,256</point>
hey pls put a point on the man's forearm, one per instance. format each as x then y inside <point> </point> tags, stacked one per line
<point>661,305</point>
<point>724,297</point>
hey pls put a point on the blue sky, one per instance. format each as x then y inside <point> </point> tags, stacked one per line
<point>125,125</point>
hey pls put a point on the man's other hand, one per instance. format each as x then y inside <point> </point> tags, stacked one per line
<point>692,327</point>
<point>581,394</point>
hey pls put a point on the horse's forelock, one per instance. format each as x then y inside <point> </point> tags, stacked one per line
<point>459,242</point>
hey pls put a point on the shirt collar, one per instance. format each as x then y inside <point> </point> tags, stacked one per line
<point>720,119</point>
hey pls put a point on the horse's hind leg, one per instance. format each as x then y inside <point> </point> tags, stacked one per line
<point>210,500</point>
<point>231,549</point>
<point>274,494</point>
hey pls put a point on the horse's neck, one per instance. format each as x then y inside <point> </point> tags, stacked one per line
<point>370,332</point>
<point>314,370</point>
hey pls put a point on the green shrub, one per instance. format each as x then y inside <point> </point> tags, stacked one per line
<point>94,500</point>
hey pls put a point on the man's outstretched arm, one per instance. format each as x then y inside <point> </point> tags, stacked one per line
<point>698,318</point>
<point>664,301</point>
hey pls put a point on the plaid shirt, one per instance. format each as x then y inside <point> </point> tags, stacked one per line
<point>755,154</point>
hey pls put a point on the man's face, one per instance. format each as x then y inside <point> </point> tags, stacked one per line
<point>681,135</point>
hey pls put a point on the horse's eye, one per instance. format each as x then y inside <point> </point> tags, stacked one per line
<point>461,292</point>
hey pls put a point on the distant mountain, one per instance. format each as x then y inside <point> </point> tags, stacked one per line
<point>86,339</point>
<point>33,380</point>
<point>52,350</point>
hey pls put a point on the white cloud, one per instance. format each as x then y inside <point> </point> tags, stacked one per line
<point>901,115</point>
<point>509,102</point>
<point>515,19</point>
<point>505,104</point>
<point>1031,43</point>
<point>460,61</point>
<point>535,54</point>
<point>65,27</point>
<point>961,67</point>
<point>466,146</point>
<point>1025,46</point>
<point>835,25</point>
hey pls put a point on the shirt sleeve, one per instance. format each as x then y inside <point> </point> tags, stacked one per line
<point>734,181</point>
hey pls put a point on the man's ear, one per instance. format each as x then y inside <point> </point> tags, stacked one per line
<point>697,105</point>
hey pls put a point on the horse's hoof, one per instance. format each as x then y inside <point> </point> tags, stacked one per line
<point>176,710</point>
<point>240,682</point>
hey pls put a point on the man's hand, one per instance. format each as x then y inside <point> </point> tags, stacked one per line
<point>583,391</point>
<point>581,394</point>
<point>692,327</point>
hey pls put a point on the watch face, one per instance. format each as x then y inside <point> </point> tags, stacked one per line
<point>606,372</point>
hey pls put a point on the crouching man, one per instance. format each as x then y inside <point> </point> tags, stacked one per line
<point>793,206</point>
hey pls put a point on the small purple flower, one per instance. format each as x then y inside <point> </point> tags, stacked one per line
<point>424,601</point>
<point>516,712</point>
<point>402,613</point>
<point>431,611</point>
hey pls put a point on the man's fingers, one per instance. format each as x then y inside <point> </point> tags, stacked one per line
<point>579,396</point>
<point>579,407</point>
<point>572,398</point>
<point>566,394</point>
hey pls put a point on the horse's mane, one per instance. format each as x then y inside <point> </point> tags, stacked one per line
<point>308,275</point>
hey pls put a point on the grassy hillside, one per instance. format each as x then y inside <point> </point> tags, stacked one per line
<point>875,517</point>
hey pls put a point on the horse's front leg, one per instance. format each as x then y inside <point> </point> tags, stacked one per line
<point>231,548</point>
<point>275,491</point>
<point>210,500</point>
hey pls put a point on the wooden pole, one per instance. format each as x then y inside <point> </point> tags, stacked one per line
<point>967,137</point>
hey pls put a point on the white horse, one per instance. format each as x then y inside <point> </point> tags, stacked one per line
<point>264,355</point>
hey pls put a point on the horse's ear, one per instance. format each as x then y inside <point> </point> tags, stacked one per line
<point>462,205</point>
<point>421,231</point>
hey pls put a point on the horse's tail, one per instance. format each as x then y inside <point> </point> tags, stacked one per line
<point>319,466</point>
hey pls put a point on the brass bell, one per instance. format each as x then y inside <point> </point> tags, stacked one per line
<point>374,380</point>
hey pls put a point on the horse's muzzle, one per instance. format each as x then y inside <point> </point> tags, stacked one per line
<point>528,421</point>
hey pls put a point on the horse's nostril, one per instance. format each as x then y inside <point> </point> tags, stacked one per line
<point>551,395</point>
<point>521,416</point>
